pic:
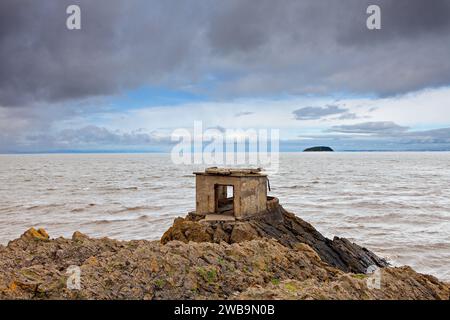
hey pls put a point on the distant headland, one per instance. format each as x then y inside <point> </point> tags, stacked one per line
<point>318,149</point>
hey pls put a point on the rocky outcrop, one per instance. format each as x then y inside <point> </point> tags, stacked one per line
<point>282,226</point>
<point>33,268</point>
<point>32,233</point>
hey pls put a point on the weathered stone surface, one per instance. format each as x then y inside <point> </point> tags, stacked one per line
<point>283,226</point>
<point>257,269</point>
<point>243,231</point>
<point>183,230</point>
<point>353,287</point>
<point>78,236</point>
<point>249,192</point>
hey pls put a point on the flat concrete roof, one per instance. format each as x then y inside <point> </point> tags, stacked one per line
<point>234,172</point>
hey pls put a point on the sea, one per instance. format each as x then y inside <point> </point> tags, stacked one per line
<point>396,204</point>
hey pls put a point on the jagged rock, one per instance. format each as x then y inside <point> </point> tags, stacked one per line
<point>353,287</point>
<point>286,228</point>
<point>220,234</point>
<point>78,236</point>
<point>188,231</point>
<point>243,232</point>
<point>33,234</point>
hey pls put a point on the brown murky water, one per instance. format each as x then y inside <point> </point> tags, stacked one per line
<point>397,204</point>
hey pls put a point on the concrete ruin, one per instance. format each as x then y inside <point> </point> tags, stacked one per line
<point>231,194</point>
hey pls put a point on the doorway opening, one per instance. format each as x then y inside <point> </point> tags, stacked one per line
<point>224,196</point>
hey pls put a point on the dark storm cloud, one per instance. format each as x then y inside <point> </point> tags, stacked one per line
<point>249,47</point>
<point>402,18</point>
<point>313,113</point>
<point>378,127</point>
<point>122,44</point>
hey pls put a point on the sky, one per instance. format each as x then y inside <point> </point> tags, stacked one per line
<point>138,70</point>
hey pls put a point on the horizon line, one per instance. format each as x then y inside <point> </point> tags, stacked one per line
<point>166,152</point>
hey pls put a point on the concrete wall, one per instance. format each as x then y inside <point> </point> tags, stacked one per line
<point>250,194</point>
<point>253,196</point>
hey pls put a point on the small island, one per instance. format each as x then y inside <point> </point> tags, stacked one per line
<point>318,149</point>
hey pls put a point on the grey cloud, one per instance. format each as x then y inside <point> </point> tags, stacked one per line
<point>378,127</point>
<point>16,123</point>
<point>102,136</point>
<point>313,113</point>
<point>379,136</point>
<point>243,113</point>
<point>94,138</point>
<point>251,47</point>
<point>428,136</point>
<point>348,116</point>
